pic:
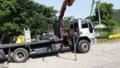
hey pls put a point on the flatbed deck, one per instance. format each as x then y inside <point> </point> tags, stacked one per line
<point>25,44</point>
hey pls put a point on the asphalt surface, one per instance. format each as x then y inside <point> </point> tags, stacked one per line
<point>105,55</point>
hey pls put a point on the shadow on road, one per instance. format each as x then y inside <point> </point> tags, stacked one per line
<point>44,55</point>
<point>2,61</point>
<point>48,54</point>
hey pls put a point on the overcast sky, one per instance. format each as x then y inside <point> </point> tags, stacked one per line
<point>80,9</point>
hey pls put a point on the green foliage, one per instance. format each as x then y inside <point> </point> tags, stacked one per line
<point>106,10</point>
<point>9,26</point>
<point>15,15</point>
<point>116,15</point>
<point>6,6</point>
<point>107,15</point>
<point>68,20</point>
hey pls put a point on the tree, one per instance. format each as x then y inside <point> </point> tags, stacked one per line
<point>67,21</point>
<point>37,17</point>
<point>106,13</point>
<point>15,15</point>
<point>6,7</point>
<point>6,26</point>
<point>116,15</point>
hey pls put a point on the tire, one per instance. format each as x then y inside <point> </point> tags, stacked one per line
<point>20,55</point>
<point>83,46</point>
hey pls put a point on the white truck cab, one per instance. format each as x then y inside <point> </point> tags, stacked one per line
<point>83,32</point>
<point>86,29</point>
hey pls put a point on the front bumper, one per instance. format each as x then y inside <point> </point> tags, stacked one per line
<point>93,41</point>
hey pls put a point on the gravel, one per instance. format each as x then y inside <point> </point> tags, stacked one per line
<point>106,55</point>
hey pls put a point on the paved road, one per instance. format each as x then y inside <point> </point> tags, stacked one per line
<point>106,55</point>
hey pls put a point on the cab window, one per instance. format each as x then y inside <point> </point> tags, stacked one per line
<point>84,24</point>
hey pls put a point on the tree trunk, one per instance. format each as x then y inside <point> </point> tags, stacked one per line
<point>2,37</point>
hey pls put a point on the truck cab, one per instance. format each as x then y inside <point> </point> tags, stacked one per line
<point>83,32</point>
<point>86,29</point>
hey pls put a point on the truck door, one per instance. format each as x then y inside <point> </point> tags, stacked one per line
<point>86,28</point>
<point>90,27</point>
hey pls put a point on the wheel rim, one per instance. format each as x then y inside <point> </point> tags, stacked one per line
<point>20,56</point>
<point>85,46</point>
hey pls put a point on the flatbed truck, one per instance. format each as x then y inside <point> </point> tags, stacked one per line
<point>78,37</point>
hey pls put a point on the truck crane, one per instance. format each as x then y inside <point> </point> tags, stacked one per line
<point>80,34</point>
<point>60,17</point>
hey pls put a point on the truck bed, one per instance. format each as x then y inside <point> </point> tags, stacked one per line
<point>42,42</point>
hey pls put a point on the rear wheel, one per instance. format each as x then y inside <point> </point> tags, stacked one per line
<point>20,55</point>
<point>83,46</point>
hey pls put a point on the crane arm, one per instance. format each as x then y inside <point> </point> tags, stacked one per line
<point>61,29</point>
<point>61,14</point>
<point>63,8</point>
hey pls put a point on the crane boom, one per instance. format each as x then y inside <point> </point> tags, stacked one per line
<point>62,11</point>
<point>63,8</point>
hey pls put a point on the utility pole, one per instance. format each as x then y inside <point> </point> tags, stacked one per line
<point>92,7</point>
<point>99,13</point>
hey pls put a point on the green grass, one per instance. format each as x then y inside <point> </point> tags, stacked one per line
<point>108,40</point>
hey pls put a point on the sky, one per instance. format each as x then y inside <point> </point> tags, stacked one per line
<point>80,8</point>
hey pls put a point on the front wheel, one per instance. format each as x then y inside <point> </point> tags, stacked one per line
<point>83,46</point>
